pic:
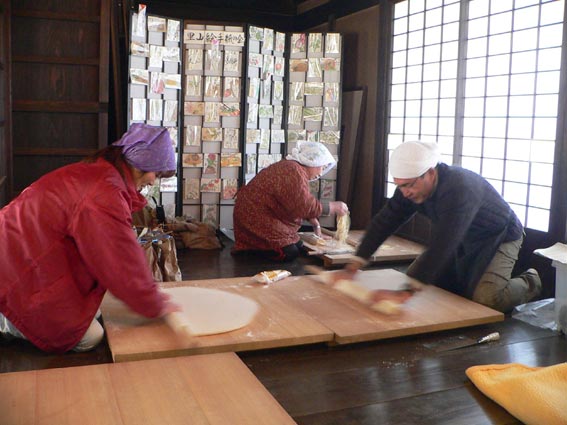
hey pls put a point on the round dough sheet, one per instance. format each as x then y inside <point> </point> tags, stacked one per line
<point>211,311</point>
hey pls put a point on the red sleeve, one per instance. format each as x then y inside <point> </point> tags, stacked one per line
<point>102,230</point>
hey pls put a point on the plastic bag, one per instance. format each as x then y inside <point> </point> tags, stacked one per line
<point>271,276</point>
<point>537,313</point>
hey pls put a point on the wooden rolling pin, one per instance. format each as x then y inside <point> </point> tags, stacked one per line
<point>363,294</point>
<point>180,325</point>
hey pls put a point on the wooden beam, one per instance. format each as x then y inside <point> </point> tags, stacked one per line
<point>54,106</point>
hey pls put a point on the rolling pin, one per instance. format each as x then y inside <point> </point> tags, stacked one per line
<point>359,292</point>
<point>179,324</point>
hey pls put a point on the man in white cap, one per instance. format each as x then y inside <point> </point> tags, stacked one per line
<point>475,235</point>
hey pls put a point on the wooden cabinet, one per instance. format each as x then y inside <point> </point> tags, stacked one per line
<point>59,84</point>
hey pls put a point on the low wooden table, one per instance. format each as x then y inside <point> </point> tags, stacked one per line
<point>208,389</point>
<point>430,310</point>
<point>277,324</point>
<point>394,249</point>
<point>294,311</point>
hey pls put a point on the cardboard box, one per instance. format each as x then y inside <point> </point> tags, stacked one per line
<point>558,254</point>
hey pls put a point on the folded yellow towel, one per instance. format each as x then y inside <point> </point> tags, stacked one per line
<point>534,395</point>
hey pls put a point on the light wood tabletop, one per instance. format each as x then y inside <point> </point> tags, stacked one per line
<point>431,309</point>
<point>206,389</point>
<point>294,311</point>
<point>278,323</point>
<point>393,249</point>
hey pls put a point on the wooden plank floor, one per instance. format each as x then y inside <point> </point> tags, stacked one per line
<point>394,381</point>
<point>400,381</point>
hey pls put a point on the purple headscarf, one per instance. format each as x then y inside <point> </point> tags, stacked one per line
<point>148,148</point>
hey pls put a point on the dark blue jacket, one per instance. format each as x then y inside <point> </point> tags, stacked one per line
<point>469,222</point>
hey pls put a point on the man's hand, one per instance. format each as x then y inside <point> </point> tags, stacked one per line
<point>398,297</point>
<point>343,274</point>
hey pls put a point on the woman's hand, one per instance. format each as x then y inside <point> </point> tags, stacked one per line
<point>316,226</point>
<point>338,208</point>
<point>169,306</point>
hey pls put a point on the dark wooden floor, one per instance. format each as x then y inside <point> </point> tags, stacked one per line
<point>398,381</point>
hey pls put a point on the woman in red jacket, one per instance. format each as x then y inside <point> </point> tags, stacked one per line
<point>68,238</point>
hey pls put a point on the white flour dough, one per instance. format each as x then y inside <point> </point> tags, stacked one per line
<point>210,311</point>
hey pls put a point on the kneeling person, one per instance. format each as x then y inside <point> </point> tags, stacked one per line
<point>269,210</point>
<point>475,235</point>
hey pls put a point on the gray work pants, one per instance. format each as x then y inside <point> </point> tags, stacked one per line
<point>496,288</point>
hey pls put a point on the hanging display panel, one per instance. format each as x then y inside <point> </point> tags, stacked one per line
<point>235,101</point>
<point>265,99</point>
<point>314,99</point>
<point>212,101</point>
<point>154,89</point>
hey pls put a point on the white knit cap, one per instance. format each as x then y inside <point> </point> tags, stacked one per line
<point>412,159</point>
<point>313,154</point>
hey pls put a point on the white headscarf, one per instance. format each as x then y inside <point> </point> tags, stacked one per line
<point>313,154</point>
<point>412,159</point>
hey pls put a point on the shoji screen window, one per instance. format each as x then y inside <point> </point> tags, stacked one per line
<point>513,58</point>
<point>424,74</point>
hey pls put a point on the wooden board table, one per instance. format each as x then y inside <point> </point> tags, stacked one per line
<point>431,309</point>
<point>394,249</point>
<point>294,311</point>
<point>207,389</point>
<point>277,324</point>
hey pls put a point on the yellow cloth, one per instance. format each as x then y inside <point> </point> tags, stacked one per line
<point>534,395</point>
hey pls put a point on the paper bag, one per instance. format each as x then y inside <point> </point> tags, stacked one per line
<point>167,259</point>
<point>152,260</point>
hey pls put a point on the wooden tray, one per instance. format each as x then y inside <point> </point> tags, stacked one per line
<point>215,389</point>
<point>394,249</point>
<point>277,324</point>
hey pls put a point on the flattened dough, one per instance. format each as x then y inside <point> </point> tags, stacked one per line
<point>361,293</point>
<point>210,311</point>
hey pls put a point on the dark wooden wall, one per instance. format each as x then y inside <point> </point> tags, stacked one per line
<point>5,105</point>
<point>59,82</point>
